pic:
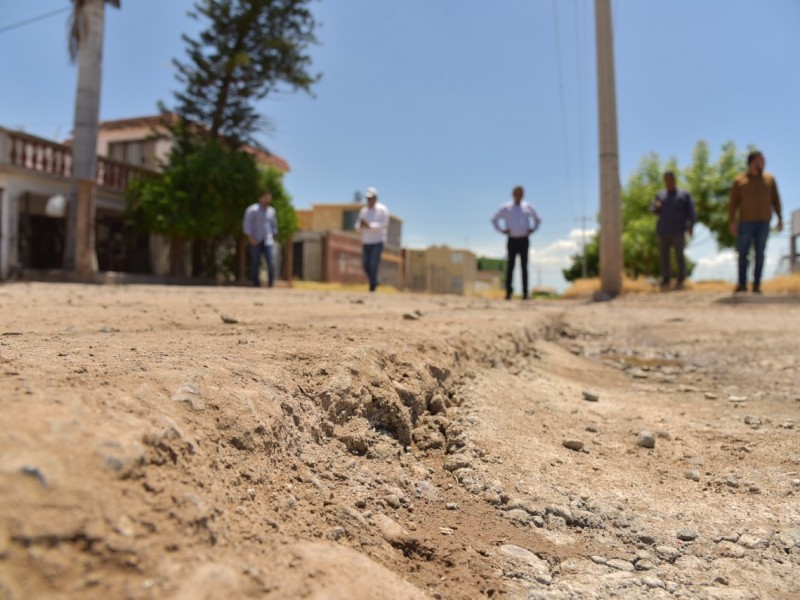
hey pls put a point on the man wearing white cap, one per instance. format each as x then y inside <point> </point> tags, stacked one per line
<point>373,221</point>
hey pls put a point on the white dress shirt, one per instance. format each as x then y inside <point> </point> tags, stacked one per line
<point>377,218</point>
<point>517,219</point>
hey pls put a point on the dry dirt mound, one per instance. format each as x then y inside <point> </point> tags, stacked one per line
<point>208,443</point>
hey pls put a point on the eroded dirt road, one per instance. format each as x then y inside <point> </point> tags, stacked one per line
<point>162,442</point>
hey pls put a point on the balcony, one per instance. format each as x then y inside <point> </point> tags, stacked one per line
<point>30,153</point>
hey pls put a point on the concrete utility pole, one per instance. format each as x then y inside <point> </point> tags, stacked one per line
<point>610,215</point>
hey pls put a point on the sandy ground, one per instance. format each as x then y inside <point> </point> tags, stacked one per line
<point>172,442</point>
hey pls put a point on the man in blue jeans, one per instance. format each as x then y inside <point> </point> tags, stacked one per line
<point>260,225</point>
<point>753,197</point>
<point>676,218</point>
<point>373,222</point>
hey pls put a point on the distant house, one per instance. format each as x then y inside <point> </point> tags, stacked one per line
<point>35,176</point>
<point>441,270</point>
<point>327,246</point>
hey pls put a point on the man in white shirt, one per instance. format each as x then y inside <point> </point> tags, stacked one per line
<point>519,221</point>
<point>373,221</point>
<point>260,225</point>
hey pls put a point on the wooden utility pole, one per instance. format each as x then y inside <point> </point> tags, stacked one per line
<point>610,215</point>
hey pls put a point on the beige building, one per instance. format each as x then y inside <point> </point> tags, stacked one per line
<point>328,246</point>
<point>441,270</point>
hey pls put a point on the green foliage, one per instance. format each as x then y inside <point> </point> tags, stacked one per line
<point>710,185</point>
<point>202,194</point>
<point>271,180</point>
<point>592,252</point>
<point>708,182</point>
<point>249,49</point>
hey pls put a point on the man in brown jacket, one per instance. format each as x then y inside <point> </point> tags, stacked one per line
<point>753,197</point>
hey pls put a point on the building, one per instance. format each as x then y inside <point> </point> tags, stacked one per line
<point>441,270</point>
<point>36,175</point>
<point>328,246</point>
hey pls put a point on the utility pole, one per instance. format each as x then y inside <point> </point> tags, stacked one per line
<point>584,267</point>
<point>610,214</point>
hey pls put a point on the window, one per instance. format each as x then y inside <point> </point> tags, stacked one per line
<point>457,258</point>
<point>136,152</point>
<point>349,218</point>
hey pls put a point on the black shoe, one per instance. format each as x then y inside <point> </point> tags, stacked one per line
<point>757,289</point>
<point>740,288</point>
<point>680,286</point>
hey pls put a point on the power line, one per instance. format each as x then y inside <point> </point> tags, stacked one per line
<point>41,17</point>
<point>563,107</point>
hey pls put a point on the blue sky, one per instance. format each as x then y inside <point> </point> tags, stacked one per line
<point>445,105</point>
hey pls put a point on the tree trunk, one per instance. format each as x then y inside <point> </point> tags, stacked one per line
<point>87,113</point>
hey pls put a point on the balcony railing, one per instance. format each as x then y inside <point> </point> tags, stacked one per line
<point>37,154</point>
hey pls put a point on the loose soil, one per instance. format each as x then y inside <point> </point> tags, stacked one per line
<point>185,442</point>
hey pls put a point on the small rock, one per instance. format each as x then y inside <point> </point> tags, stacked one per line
<point>653,582</point>
<point>730,550</point>
<point>336,533</point>
<point>517,515</point>
<point>454,463</point>
<point>668,552</point>
<point>664,435</point>
<point>752,542</point>
<point>620,565</point>
<point>647,539</point>
<point>410,317</point>
<point>692,474</point>
<point>687,535</point>
<point>646,439</point>
<point>451,506</point>
<point>710,396</point>
<point>191,394</point>
<point>590,396</point>
<point>600,560</point>
<point>721,580</point>
<point>645,565</point>
<point>737,399</point>
<point>228,319</point>
<point>576,445</point>
<point>393,501</point>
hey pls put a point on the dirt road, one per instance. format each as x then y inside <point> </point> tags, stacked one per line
<point>163,442</point>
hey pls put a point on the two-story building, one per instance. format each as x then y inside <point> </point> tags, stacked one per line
<point>36,178</point>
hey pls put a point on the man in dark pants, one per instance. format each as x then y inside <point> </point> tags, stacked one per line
<point>676,218</point>
<point>519,221</point>
<point>753,197</point>
<point>260,225</point>
<point>373,221</point>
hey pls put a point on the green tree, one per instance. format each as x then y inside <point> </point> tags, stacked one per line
<point>202,194</point>
<point>710,185</point>
<point>708,182</point>
<point>271,180</point>
<point>249,49</point>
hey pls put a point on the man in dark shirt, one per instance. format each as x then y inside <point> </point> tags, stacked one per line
<point>676,218</point>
